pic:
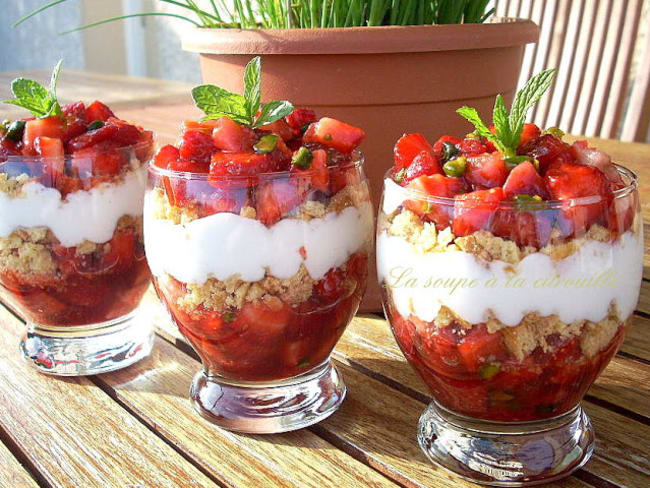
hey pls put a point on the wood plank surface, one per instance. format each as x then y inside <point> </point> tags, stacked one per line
<point>12,473</point>
<point>76,435</point>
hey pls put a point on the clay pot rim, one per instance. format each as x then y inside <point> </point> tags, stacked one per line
<point>501,32</point>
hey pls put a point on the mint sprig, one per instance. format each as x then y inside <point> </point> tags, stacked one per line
<point>217,102</point>
<point>33,96</point>
<point>509,126</point>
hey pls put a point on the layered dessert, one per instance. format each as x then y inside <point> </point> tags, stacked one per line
<point>509,270</point>
<point>71,196</point>
<point>258,237</point>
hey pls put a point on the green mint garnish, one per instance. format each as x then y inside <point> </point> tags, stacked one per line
<point>302,158</point>
<point>243,109</point>
<point>509,126</point>
<point>266,144</point>
<point>33,96</point>
<point>97,124</point>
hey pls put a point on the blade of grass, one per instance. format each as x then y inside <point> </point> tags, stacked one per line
<point>122,17</point>
<point>36,11</point>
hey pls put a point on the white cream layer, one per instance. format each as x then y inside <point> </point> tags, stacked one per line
<point>83,215</point>
<point>615,270</point>
<point>224,244</point>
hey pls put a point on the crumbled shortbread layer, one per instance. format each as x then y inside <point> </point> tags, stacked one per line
<point>12,186</point>
<point>30,251</point>
<point>483,244</point>
<point>537,331</point>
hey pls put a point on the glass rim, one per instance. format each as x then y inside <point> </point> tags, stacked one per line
<point>357,162</point>
<point>626,173</point>
<point>73,156</point>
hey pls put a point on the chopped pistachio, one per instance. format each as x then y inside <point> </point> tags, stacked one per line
<point>97,124</point>
<point>302,158</point>
<point>455,167</point>
<point>449,150</point>
<point>555,131</point>
<point>488,371</point>
<point>399,176</point>
<point>266,144</point>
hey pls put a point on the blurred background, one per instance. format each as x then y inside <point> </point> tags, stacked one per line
<point>601,47</point>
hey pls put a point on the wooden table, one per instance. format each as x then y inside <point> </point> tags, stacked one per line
<point>135,428</point>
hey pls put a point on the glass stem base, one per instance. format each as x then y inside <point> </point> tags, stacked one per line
<point>88,350</point>
<point>506,454</point>
<point>270,407</point>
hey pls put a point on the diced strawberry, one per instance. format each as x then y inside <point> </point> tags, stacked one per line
<point>121,250</point>
<point>197,147</point>
<point>226,165</point>
<point>219,200</point>
<point>438,146</point>
<point>98,111</point>
<point>407,148</point>
<point>545,149</point>
<point>279,128</point>
<point>471,147</point>
<point>126,134</point>
<point>105,158</point>
<point>590,156</point>
<point>530,132</point>
<point>622,211</point>
<point>330,288</point>
<point>76,110</point>
<point>206,126</point>
<point>9,148</point>
<point>92,137</point>
<point>189,166</point>
<point>524,180</point>
<point>424,163</point>
<point>145,146</point>
<point>49,147</point>
<point>165,156</point>
<point>335,134</point>
<point>568,181</point>
<point>48,127</point>
<point>320,178</point>
<point>230,136</point>
<point>480,347</point>
<point>474,211</point>
<point>276,198</point>
<point>438,186</point>
<point>526,228</point>
<point>487,170</point>
<point>265,318</point>
<point>300,118</point>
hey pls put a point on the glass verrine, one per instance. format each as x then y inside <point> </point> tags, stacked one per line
<point>511,323</point>
<point>261,274</point>
<point>72,258</point>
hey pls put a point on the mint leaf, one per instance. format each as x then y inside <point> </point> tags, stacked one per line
<point>501,122</point>
<point>528,96</point>
<point>34,97</point>
<point>253,86</point>
<point>217,102</point>
<point>273,111</point>
<point>56,108</point>
<point>481,129</point>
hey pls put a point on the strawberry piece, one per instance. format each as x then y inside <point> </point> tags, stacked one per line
<point>98,111</point>
<point>125,134</point>
<point>230,136</point>
<point>9,148</point>
<point>474,211</point>
<point>205,126</point>
<point>471,147</point>
<point>267,318</point>
<point>621,213</point>
<point>76,123</point>
<point>320,173</point>
<point>227,165</point>
<point>545,149</point>
<point>92,137</point>
<point>407,148</point>
<point>335,134</point>
<point>300,118</point>
<point>487,170</point>
<point>568,181</point>
<point>121,251</point>
<point>145,146</point>
<point>525,228</point>
<point>165,156</point>
<point>590,156</point>
<point>189,166</point>
<point>48,127</point>
<point>105,158</point>
<point>197,147</point>
<point>529,132</point>
<point>437,147</point>
<point>438,186</point>
<point>76,110</point>
<point>279,128</point>
<point>276,198</point>
<point>524,180</point>
<point>219,200</point>
<point>480,347</point>
<point>330,288</point>
<point>49,147</point>
<point>424,163</point>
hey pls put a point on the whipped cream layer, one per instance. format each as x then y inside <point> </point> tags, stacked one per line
<point>83,215</point>
<point>600,273</point>
<point>224,244</point>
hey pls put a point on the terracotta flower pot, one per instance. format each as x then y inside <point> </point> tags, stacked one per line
<point>387,80</point>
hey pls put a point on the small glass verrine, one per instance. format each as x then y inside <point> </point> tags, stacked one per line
<point>72,256</point>
<point>509,311</point>
<point>261,274</point>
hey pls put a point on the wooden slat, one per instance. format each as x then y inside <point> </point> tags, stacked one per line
<point>12,474</point>
<point>76,435</point>
<point>637,118</point>
<point>157,389</point>
<point>637,342</point>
